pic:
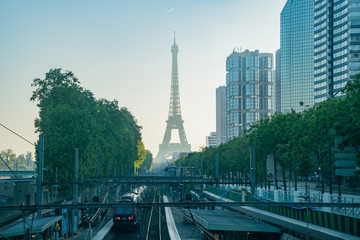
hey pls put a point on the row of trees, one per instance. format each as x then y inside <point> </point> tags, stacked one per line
<point>70,117</point>
<point>16,163</point>
<point>301,143</point>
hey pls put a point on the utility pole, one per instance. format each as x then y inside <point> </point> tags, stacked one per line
<point>217,168</point>
<point>40,173</point>
<point>331,172</point>
<point>194,169</point>
<point>97,176</point>
<point>75,212</point>
<point>56,186</point>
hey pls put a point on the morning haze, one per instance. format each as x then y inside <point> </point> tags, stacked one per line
<point>121,50</point>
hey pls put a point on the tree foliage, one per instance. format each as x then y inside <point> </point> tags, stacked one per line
<point>141,157</point>
<point>146,165</point>
<point>16,163</point>
<point>301,143</point>
<point>70,117</point>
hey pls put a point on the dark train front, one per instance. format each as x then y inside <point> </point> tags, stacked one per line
<point>125,217</point>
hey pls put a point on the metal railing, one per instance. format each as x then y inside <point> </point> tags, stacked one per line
<point>353,212</point>
<point>286,197</point>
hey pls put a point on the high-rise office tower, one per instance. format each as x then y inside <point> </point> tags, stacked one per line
<point>297,55</point>
<point>336,46</point>
<point>248,90</point>
<point>277,82</point>
<point>220,115</point>
<point>211,140</point>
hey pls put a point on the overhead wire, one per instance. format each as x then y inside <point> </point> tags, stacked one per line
<point>16,134</point>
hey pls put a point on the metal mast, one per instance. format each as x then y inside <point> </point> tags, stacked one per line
<point>166,149</point>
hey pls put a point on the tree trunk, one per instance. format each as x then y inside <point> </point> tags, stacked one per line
<point>322,181</point>
<point>284,178</point>
<point>295,180</point>
<point>290,178</point>
<point>275,173</point>
<point>321,174</point>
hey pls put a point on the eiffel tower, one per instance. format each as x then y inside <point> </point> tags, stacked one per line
<point>167,149</point>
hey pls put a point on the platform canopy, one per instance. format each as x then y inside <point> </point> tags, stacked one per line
<point>38,226</point>
<point>215,220</point>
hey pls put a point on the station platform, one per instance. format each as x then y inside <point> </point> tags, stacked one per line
<point>104,231</point>
<point>285,223</point>
<point>173,232</point>
<point>38,226</point>
<point>179,227</point>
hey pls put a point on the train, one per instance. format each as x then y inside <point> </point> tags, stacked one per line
<point>127,217</point>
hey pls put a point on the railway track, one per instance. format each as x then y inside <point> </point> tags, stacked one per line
<point>152,224</point>
<point>157,228</point>
<point>123,235</point>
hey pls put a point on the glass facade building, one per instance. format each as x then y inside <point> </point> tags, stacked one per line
<point>220,115</point>
<point>297,55</point>
<point>248,90</point>
<point>337,46</point>
<point>211,140</point>
<point>277,82</point>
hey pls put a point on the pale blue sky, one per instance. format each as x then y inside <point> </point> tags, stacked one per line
<point>121,50</point>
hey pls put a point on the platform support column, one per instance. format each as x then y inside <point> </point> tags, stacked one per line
<point>326,199</point>
<point>76,198</point>
<point>276,195</point>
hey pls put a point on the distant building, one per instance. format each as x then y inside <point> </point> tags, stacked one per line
<point>17,192</point>
<point>220,115</point>
<point>248,90</point>
<point>277,82</point>
<point>337,46</point>
<point>211,140</point>
<point>297,55</point>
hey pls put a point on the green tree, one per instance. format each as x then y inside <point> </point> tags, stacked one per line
<point>70,117</point>
<point>319,121</point>
<point>9,157</point>
<point>349,126</point>
<point>20,163</point>
<point>141,157</point>
<point>147,163</point>
<point>29,160</point>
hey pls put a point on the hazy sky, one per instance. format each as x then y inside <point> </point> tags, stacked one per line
<point>121,50</point>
